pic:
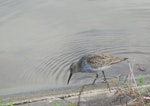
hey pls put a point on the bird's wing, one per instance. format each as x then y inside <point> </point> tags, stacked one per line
<point>97,61</point>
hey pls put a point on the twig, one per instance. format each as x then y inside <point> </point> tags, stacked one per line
<point>146,97</point>
<point>131,70</point>
<point>131,101</point>
<point>80,95</point>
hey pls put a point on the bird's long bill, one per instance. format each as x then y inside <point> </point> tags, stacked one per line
<point>69,77</point>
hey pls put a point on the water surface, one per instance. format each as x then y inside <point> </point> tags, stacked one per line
<point>40,39</point>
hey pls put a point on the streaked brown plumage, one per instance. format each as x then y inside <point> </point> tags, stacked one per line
<point>93,63</point>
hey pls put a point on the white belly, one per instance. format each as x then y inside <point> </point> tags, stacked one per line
<point>100,68</point>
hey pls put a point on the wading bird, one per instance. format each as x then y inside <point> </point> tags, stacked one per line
<point>92,63</point>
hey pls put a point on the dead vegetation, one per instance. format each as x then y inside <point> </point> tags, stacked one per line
<point>127,94</point>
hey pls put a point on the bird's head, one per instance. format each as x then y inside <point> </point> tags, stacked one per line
<point>73,69</point>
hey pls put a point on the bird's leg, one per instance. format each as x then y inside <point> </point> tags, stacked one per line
<point>108,86</point>
<point>95,79</point>
<point>104,75</point>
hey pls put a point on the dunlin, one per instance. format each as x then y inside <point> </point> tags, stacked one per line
<point>93,63</point>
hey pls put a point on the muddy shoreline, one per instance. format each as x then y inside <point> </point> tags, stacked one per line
<point>64,94</point>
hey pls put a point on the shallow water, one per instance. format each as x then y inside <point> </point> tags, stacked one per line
<point>40,39</point>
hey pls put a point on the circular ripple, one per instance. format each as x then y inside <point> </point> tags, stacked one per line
<point>55,68</point>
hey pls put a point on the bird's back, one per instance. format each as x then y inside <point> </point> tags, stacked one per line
<point>98,60</point>
<point>94,62</point>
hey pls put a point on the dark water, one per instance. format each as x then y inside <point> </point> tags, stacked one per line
<point>40,39</point>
